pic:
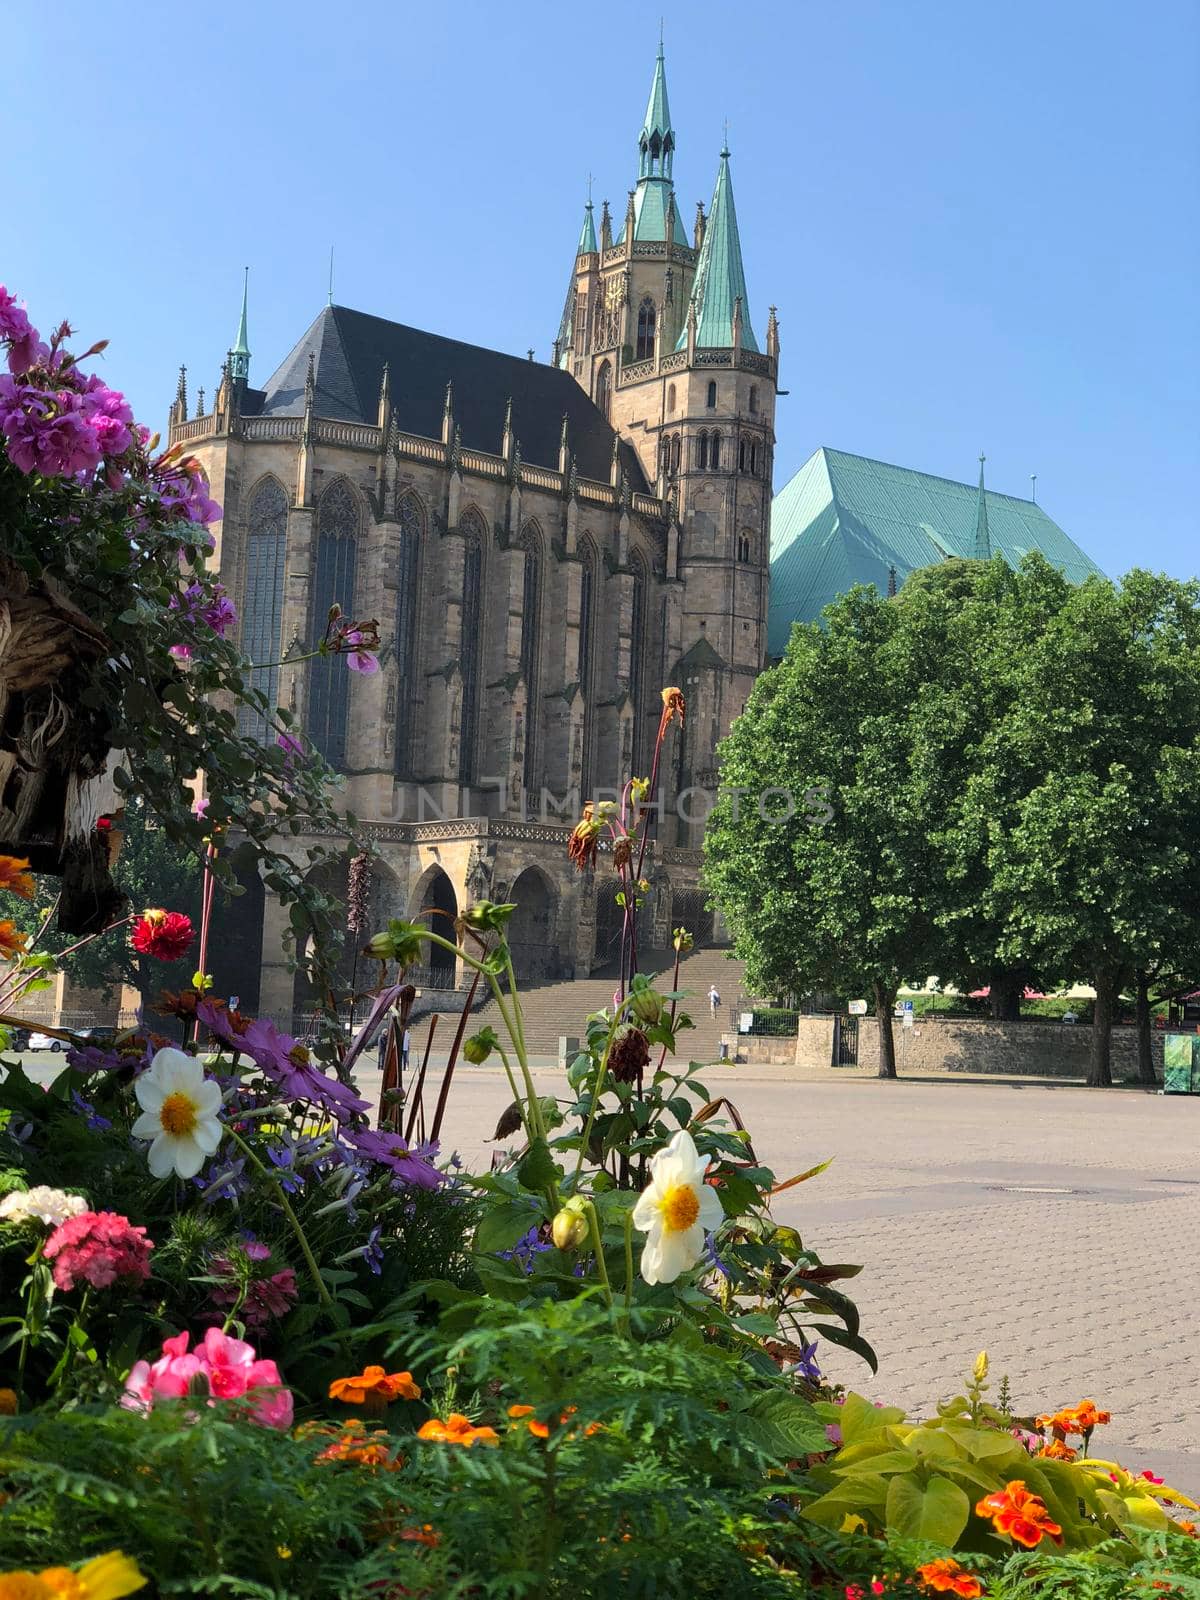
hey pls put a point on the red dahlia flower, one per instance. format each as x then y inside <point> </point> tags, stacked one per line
<point>165,935</point>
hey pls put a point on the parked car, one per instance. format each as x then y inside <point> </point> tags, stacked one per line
<point>43,1041</point>
<point>104,1035</point>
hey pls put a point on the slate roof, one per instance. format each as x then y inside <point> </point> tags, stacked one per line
<point>350,348</point>
<point>845,519</point>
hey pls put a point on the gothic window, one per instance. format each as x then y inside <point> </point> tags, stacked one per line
<point>333,583</point>
<point>676,453</point>
<point>754,460</point>
<point>637,631</point>
<point>645,330</point>
<point>670,397</point>
<point>412,526</point>
<point>753,399</point>
<point>530,619</point>
<point>712,395</point>
<point>471,527</point>
<point>745,546</point>
<point>587,601</point>
<point>741,455</point>
<point>262,607</point>
<point>702,451</point>
<point>714,452</point>
<point>603,388</point>
<point>579,332</point>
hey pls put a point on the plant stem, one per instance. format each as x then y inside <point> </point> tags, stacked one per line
<point>597,1092</point>
<point>598,1250</point>
<point>628,1270</point>
<point>310,1260</point>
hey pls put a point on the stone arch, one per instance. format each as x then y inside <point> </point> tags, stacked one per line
<point>354,973</point>
<point>688,910</point>
<point>604,389</point>
<point>434,902</point>
<point>647,317</point>
<point>236,945</point>
<point>533,929</point>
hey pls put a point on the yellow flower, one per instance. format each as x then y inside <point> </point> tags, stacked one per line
<point>107,1577</point>
<point>15,876</point>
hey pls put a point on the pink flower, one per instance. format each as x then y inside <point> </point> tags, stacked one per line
<point>181,654</point>
<point>358,659</point>
<point>200,806</point>
<point>47,430</point>
<point>98,1247</point>
<point>266,1298</point>
<point>224,1367</point>
<point>292,747</point>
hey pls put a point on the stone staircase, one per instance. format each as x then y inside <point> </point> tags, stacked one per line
<point>554,1009</point>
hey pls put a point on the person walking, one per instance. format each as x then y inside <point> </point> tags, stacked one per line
<point>714,999</point>
<point>404,1048</point>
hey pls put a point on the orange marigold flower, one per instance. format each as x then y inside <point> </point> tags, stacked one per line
<point>1074,1419</point>
<point>541,1430</point>
<point>946,1576</point>
<point>1056,1450</point>
<point>375,1383</point>
<point>8,1402</point>
<point>364,1449</point>
<point>16,877</point>
<point>1087,1417</point>
<point>427,1535</point>
<point>456,1429</point>
<point>582,846</point>
<point>12,940</point>
<point>1021,1515</point>
<point>1190,1528</point>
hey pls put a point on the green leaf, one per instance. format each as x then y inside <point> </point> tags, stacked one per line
<point>859,1419</point>
<point>937,1510</point>
<point>537,1169</point>
<point>502,1225</point>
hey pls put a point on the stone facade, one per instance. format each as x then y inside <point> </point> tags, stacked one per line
<point>529,612</point>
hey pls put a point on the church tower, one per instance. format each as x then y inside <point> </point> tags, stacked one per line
<point>658,329</point>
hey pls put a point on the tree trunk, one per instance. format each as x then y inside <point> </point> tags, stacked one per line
<point>1144,1051</point>
<point>885,999</point>
<point>1006,993</point>
<point>1100,1065</point>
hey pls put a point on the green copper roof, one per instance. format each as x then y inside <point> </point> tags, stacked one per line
<point>657,138</point>
<point>982,550</point>
<point>587,234</point>
<point>239,356</point>
<point>651,199</point>
<point>845,519</point>
<point>720,276</point>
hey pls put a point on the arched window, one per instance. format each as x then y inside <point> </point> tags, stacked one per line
<point>530,622</point>
<point>587,625</point>
<point>579,331</point>
<point>603,388</point>
<point>702,451</point>
<point>714,452</point>
<point>753,399</point>
<point>471,526</point>
<point>712,395</point>
<point>676,453</point>
<point>745,546</point>
<point>670,397</point>
<point>262,604</point>
<point>333,583</point>
<point>412,525</point>
<point>754,459</point>
<point>741,455</point>
<point>637,632</point>
<point>645,330</point>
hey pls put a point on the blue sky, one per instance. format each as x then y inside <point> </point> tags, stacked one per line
<point>979,221</point>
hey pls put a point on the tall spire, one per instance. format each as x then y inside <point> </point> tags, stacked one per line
<point>983,541</point>
<point>587,234</point>
<point>239,356</point>
<point>657,138</point>
<point>720,276</point>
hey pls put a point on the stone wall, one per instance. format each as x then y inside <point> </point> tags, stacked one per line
<point>1028,1049</point>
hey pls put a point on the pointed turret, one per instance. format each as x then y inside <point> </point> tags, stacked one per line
<point>179,411</point>
<point>983,540</point>
<point>657,139</point>
<point>587,234</point>
<point>239,356</point>
<point>720,276</point>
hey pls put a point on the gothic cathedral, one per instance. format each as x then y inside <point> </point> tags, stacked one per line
<point>545,545</point>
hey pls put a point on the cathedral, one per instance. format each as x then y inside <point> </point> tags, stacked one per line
<point>545,544</point>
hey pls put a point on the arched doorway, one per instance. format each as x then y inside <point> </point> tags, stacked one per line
<point>235,951</point>
<point>531,930</point>
<point>354,974</point>
<point>689,911</point>
<point>436,905</point>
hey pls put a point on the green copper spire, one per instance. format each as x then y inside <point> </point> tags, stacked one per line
<point>657,138</point>
<point>983,541</point>
<point>239,356</point>
<point>587,234</point>
<point>720,277</point>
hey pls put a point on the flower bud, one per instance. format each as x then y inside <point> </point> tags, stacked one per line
<point>479,1046</point>
<point>683,941</point>
<point>646,1005</point>
<point>981,1366</point>
<point>570,1228</point>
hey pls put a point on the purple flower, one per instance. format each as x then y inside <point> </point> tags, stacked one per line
<point>283,1158</point>
<point>47,431</point>
<point>711,1256</point>
<point>197,604</point>
<point>373,1251</point>
<point>96,1122</point>
<point>390,1150</point>
<point>222,1180</point>
<point>358,659</point>
<point>25,348</point>
<point>181,655</point>
<point>527,1246</point>
<point>807,1366</point>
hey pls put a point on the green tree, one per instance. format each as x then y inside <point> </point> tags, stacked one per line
<point>850,900</point>
<point>1099,873</point>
